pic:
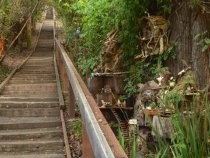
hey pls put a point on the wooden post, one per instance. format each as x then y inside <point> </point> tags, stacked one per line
<point>87,151</point>
<point>1,47</point>
<point>71,106</point>
<point>67,89</point>
<point>28,33</point>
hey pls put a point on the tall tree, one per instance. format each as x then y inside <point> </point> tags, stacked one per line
<point>189,25</point>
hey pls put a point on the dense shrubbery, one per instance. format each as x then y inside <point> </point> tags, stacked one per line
<point>13,12</point>
<point>94,19</point>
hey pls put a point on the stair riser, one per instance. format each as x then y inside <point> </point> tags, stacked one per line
<point>33,68</point>
<point>41,93</point>
<point>29,125</point>
<point>41,54</point>
<point>31,147</point>
<point>46,36</point>
<point>49,135</point>
<point>47,59</point>
<point>45,45</point>
<point>40,48</point>
<point>33,155</point>
<point>32,87</point>
<point>36,112</point>
<point>31,81</point>
<point>29,100</point>
<point>41,65</point>
<point>37,68</point>
<point>28,105</point>
<point>40,60</point>
<point>34,78</point>
<point>36,72</point>
<point>18,74</point>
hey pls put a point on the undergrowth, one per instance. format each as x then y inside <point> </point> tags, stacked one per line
<point>190,133</point>
<point>4,71</point>
<point>87,24</point>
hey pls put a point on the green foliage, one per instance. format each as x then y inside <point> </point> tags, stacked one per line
<point>190,137</point>
<point>97,18</point>
<point>206,44</point>
<point>173,98</point>
<point>76,128</point>
<point>94,19</point>
<point>9,11</point>
<point>195,3</point>
<point>86,65</point>
<point>121,138</point>
<point>4,71</point>
<point>148,69</point>
<point>37,16</point>
<point>13,12</point>
<point>133,78</point>
<point>164,6</point>
<point>130,88</point>
<point>134,147</point>
<point>203,40</point>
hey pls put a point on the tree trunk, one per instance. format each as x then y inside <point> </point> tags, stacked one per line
<point>200,64</point>
<point>186,23</point>
<point>181,37</point>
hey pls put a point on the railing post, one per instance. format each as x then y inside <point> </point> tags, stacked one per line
<point>69,95</point>
<point>65,79</point>
<point>71,106</point>
<point>87,151</point>
<point>67,89</point>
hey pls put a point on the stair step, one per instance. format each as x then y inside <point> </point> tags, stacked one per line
<point>36,72</point>
<point>32,155</point>
<point>40,63</point>
<point>29,112</point>
<point>30,123</point>
<point>45,44</point>
<point>33,64</point>
<point>31,145</point>
<point>34,68</point>
<point>32,87</point>
<point>43,48</point>
<point>28,99</point>
<point>34,78</point>
<point>18,75</point>
<point>40,93</point>
<point>28,81</point>
<point>11,123</point>
<point>16,104</point>
<point>30,134</point>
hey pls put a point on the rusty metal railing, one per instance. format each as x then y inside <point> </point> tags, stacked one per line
<point>97,133</point>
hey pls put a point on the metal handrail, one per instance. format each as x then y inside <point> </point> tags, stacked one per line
<point>102,139</point>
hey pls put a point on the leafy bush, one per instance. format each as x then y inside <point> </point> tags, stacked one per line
<point>15,11</point>
<point>191,133</point>
<point>94,19</point>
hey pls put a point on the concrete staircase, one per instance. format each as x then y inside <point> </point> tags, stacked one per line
<point>30,125</point>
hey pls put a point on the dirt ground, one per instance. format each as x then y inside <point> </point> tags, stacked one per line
<point>74,131</point>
